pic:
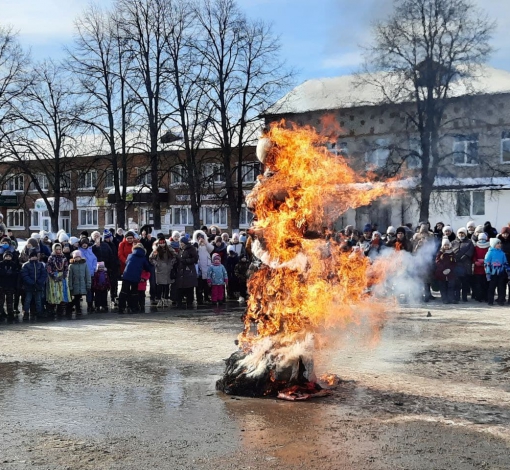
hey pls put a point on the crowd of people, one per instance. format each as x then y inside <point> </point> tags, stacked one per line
<point>53,277</point>
<point>472,262</point>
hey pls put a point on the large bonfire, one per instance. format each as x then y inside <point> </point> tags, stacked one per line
<point>306,282</point>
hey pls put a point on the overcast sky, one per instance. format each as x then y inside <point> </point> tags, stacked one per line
<point>319,37</point>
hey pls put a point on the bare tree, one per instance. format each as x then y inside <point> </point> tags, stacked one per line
<point>44,144</point>
<point>143,26</point>
<point>13,67</point>
<point>419,54</point>
<point>245,75</point>
<point>100,63</point>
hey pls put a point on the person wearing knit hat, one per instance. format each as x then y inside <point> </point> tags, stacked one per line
<point>9,277</point>
<point>125,249</point>
<point>33,279</point>
<point>496,267</point>
<point>6,246</point>
<point>57,287</point>
<point>220,247</point>
<point>107,234</point>
<point>504,237</point>
<point>113,267</point>
<point>445,272</point>
<point>91,259</point>
<point>401,243</point>
<point>63,237</point>
<point>80,282</point>
<point>147,240</point>
<point>480,284</point>
<point>217,278</point>
<point>470,227</point>
<point>101,286</point>
<point>448,232</point>
<point>136,264</point>
<point>390,238</point>
<point>187,279</point>
<point>463,249</point>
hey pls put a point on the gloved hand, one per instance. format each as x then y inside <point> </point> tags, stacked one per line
<point>446,272</point>
<point>488,277</point>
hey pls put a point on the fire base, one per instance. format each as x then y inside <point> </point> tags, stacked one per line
<point>290,382</point>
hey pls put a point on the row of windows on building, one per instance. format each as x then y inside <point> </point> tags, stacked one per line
<point>89,180</point>
<point>465,150</point>
<point>89,217</point>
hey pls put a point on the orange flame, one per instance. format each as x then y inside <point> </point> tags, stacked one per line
<point>306,282</point>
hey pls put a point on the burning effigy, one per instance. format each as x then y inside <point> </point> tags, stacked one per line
<point>305,282</point>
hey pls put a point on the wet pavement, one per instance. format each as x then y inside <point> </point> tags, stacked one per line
<point>138,392</point>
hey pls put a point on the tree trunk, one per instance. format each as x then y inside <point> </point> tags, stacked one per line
<point>120,207</point>
<point>425,193</point>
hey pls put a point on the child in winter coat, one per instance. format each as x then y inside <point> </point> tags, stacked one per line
<point>480,284</point>
<point>241,272</point>
<point>9,276</point>
<point>142,287</point>
<point>217,278</point>
<point>445,272</point>
<point>101,286</point>
<point>33,276</point>
<point>163,257</point>
<point>495,270</point>
<point>79,281</point>
<point>135,264</point>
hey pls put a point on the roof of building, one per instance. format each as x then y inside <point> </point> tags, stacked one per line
<point>349,91</point>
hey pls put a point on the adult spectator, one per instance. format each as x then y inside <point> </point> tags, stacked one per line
<point>125,249</point>
<point>187,279</point>
<point>463,249</point>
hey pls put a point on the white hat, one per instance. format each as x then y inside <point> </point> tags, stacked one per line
<point>74,240</point>
<point>446,242</point>
<point>494,241</point>
<point>95,234</point>
<point>462,230</point>
<point>231,248</point>
<point>471,223</point>
<point>391,229</point>
<point>62,238</point>
<point>447,227</point>
<point>376,233</point>
<point>36,236</point>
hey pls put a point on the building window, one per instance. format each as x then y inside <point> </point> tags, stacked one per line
<point>16,183</point>
<point>143,176</point>
<point>43,183</point>
<point>35,219</point>
<point>250,171</point>
<point>109,181</point>
<point>181,215</point>
<point>415,154</point>
<point>505,147</point>
<point>465,150</point>
<point>338,148</point>
<point>65,181</point>
<point>15,219</point>
<point>214,172</point>
<point>470,203</point>
<point>87,217</point>
<point>145,216</point>
<point>379,154</point>
<point>178,175</point>
<point>109,217</point>
<point>87,180</point>
<point>215,216</point>
<point>245,218</point>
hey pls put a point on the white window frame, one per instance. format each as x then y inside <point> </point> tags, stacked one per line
<point>177,175</point>
<point>180,216</point>
<point>43,181</point>
<point>213,172</point>
<point>505,139</point>
<point>109,174</point>
<point>15,219</point>
<point>33,215</point>
<point>113,212</point>
<point>215,215</point>
<point>471,204</point>
<point>250,172</point>
<point>415,152</point>
<point>245,217</point>
<point>16,183</point>
<point>143,176</point>
<point>379,154</point>
<point>88,223</point>
<point>87,180</point>
<point>462,144</point>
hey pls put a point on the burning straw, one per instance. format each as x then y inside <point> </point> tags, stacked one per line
<point>305,283</point>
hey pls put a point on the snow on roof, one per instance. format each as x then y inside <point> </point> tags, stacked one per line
<point>347,92</point>
<point>137,190</point>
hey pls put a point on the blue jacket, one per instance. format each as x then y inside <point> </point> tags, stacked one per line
<point>495,261</point>
<point>9,274</point>
<point>136,262</point>
<point>217,275</point>
<point>34,275</point>
<point>91,259</point>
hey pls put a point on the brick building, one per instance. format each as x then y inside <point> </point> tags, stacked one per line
<point>87,197</point>
<point>473,181</point>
